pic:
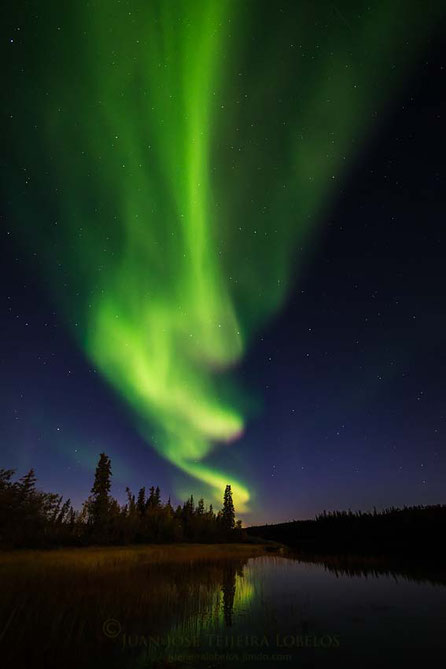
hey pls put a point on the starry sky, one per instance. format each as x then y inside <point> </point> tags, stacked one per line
<point>223,251</point>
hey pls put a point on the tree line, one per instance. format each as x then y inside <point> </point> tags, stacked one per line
<point>30,517</point>
<point>411,529</point>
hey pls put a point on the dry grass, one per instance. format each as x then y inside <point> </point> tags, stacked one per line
<point>100,556</point>
<point>54,603</point>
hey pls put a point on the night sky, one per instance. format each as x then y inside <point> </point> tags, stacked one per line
<point>264,182</point>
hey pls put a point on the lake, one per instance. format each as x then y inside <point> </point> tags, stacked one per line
<point>201,606</point>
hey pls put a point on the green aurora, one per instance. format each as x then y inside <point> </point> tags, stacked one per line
<point>177,159</point>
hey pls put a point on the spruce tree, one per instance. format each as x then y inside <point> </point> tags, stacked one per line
<point>131,504</point>
<point>100,492</point>
<point>200,507</point>
<point>141,502</point>
<point>228,512</point>
<point>27,484</point>
<point>151,502</point>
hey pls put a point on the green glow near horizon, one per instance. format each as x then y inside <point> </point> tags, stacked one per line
<point>191,166</point>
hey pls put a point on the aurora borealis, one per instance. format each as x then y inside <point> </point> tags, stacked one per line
<point>165,319</point>
<point>174,164</point>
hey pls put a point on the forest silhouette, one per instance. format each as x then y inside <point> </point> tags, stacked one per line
<point>31,518</point>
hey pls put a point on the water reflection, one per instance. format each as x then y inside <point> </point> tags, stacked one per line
<point>228,588</point>
<point>336,611</point>
<point>402,567</point>
<point>234,612</point>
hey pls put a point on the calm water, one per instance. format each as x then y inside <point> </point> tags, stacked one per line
<point>276,611</point>
<point>251,612</point>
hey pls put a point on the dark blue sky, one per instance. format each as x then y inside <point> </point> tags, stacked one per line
<point>350,375</point>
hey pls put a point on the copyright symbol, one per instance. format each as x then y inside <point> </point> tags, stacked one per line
<point>111,628</point>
